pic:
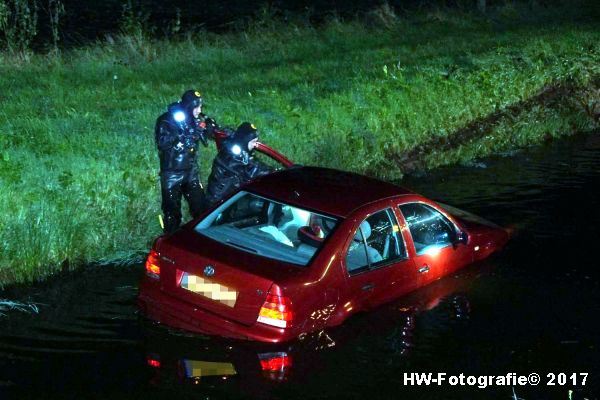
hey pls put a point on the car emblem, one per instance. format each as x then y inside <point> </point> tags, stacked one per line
<point>209,270</point>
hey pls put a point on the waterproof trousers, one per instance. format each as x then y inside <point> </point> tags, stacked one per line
<point>175,184</point>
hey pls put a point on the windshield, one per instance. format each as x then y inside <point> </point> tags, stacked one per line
<point>268,228</point>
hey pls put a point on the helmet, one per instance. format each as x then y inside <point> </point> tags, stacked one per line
<point>245,133</point>
<point>237,144</point>
<point>190,100</point>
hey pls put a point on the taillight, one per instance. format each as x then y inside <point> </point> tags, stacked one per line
<point>276,311</point>
<point>153,265</point>
<point>275,366</point>
<point>153,362</point>
<point>274,361</point>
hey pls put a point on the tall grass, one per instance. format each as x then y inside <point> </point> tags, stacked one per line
<point>79,168</point>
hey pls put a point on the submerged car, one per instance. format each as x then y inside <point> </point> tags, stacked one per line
<point>208,362</point>
<point>303,249</point>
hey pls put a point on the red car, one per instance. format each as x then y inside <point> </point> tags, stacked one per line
<point>303,249</point>
<point>210,362</point>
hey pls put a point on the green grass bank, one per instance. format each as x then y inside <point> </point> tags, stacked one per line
<point>78,166</point>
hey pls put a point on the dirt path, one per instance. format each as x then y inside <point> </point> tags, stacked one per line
<point>560,96</point>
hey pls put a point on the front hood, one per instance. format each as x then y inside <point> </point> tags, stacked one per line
<point>485,236</point>
<point>469,219</point>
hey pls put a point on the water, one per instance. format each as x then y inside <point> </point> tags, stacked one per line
<point>531,309</point>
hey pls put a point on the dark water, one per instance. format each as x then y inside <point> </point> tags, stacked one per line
<point>534,308</point>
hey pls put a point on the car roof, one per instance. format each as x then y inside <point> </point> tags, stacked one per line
<point>325,190</point>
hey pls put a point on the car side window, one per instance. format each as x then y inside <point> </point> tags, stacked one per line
<point>428,227</point>
<point>376,242</point>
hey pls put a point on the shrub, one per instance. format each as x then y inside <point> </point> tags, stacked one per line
<point>18,24</point>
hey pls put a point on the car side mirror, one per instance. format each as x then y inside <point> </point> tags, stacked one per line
<point>462,237</point>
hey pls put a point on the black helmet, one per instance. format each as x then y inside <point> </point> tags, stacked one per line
<point>191,99</point>
<point>237,144</point>
<point>245,133</point>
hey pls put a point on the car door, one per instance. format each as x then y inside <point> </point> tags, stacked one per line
<point>437,251</point>
<point>376,260</point>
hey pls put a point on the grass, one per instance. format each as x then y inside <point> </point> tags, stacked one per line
<point>79,168</point>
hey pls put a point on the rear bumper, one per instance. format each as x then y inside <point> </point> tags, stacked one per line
<point>165,309</point>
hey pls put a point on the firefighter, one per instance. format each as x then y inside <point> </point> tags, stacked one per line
<point>235,164</point>
<point>178,134</point>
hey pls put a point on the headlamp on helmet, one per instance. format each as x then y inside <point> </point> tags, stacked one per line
<point>236,149</point>
<point>179,116</point>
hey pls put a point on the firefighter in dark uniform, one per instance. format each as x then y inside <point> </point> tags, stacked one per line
<point>178,133</point>
<point>235,164</point>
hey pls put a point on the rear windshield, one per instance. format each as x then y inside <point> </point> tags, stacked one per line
<point>268,228</point>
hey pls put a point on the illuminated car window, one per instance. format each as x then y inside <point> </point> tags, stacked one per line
<point>376,242</point>
<point>429,228</point>
<point>268,228</point>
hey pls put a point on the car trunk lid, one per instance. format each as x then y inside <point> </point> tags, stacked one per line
<point>218,278</point>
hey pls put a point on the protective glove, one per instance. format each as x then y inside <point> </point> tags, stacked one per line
<point>211,126</point>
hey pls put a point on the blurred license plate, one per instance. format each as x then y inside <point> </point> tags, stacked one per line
<point>198,369</point>
<point>206,288</point>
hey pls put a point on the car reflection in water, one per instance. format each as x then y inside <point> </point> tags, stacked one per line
<point>178,357</point>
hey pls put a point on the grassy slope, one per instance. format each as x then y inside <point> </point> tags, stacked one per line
<point>78,166</point>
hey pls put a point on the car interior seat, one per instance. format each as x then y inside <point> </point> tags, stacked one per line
<point>291,220</point>
<point>309,242</point>
<point>358,256</point>
<point>308,235</point>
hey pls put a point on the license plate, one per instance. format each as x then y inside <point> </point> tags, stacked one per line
<point>199,369</point>
<point>204,287</point>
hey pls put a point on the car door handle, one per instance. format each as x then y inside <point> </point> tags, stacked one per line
<point>368,286</point>
<point>424,269</point>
